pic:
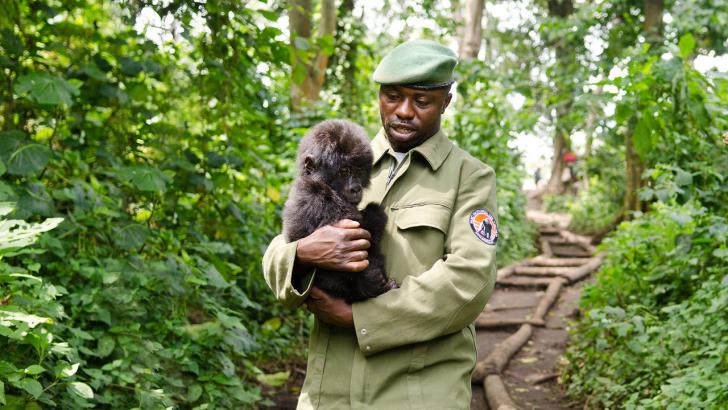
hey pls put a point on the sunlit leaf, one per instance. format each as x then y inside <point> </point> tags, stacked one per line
<point>274,379</point>
<point>687,45</point>
<point>81,389</point>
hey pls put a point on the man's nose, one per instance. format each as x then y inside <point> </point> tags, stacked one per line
<point>405,109</point>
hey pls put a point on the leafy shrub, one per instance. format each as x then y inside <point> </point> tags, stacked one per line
<point>653,335</point>
<point>593,208</point>
<point>35,362</point>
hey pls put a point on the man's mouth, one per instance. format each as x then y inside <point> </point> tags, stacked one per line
<point>402,130</point>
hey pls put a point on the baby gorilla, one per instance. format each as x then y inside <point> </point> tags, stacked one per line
<point>334,162</point>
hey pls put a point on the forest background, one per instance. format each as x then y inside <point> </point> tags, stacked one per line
<point>157,153</point>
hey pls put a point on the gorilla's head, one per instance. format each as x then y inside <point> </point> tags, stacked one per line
<point>337,152</point>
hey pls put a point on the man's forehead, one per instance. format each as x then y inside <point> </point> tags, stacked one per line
<point>414,91</point>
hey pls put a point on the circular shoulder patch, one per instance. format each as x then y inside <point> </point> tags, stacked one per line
<point>484,226</point>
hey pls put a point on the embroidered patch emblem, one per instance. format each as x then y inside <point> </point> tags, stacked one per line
<point>484,226</point>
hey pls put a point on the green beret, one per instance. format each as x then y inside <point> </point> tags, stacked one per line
<point>417,64</point>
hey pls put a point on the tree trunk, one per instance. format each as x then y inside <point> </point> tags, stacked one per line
<point>555,185</point>
<point>308,71</point>
<point>633,164</point>
<point>472,31</point>
<point>564,59</point>
<point>653,10</point>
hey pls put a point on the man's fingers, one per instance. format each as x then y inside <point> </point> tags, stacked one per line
<point>346,224</point>
<point>316,293</point>
<point>358,245</point>
<point>355,266</point>
<point>352,234</point>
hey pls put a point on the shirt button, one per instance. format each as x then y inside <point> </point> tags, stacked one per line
<point>363,331</point>
<point>369,348</point>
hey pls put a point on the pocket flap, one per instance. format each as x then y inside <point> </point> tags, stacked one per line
<point>425,215</point>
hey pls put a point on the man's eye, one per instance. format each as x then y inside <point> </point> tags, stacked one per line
<point>422,103</point>
<point>392,97</point>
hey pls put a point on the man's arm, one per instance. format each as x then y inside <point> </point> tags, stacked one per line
<point>447,297</point>
<point>288,268</point>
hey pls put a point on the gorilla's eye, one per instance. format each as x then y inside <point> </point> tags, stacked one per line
<point>345,171</point>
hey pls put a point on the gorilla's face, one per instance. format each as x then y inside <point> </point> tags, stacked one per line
<point>409,115</point>
<point>349,183</point>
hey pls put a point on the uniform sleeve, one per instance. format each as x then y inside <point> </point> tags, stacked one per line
<point>447,297</point>
<point>278,264</point>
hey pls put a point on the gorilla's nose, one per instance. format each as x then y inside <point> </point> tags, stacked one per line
<point>355,189</point>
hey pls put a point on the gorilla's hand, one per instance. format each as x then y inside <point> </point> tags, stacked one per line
<point>339,247</point>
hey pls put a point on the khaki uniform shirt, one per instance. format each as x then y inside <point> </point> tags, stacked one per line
<point>412,347</point>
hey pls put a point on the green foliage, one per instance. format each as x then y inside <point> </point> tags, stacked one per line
<point>166,162</point>
<point>34,361</point>
<point>483,124</point>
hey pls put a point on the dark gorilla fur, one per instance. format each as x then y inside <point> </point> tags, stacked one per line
<point>334,159</point>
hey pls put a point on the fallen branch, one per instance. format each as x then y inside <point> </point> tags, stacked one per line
<point>498,359</point>
<point>547,261</point>
<point>552,292</point>
<point>525,282</point>
<point>584,270</point>
<point>482,323</point>
<point>546,247</point>
<point>497,395</point>
<point>538,378</point>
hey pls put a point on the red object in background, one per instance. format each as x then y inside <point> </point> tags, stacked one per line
<point>569,157</point>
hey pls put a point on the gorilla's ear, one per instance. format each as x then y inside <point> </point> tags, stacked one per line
<point>309,165</point>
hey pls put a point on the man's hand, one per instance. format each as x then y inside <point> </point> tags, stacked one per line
<point>329,309</point>
<point>340,247</point>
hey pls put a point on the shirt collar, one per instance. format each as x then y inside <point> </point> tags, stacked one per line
<point>434,150</point>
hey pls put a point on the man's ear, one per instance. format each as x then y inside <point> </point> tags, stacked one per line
<point>447,102</point>
<point>309,165</point>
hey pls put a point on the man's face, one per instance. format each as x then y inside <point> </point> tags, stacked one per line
<point>410,116</point>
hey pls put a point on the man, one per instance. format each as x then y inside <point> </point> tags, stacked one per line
<point>412,347</point>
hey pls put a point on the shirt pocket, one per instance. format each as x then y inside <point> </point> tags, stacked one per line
<point>420,235</point>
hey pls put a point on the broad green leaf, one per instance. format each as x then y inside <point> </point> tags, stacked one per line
<point>2,168</point>
<point>46,89</point>
<point>105,346</point>
<point>29,159</point>
<point>130,66</point>
<point>34,369</point>
<point>10,141</point>
<point>194,392</point>
<point>131,236</point>
<point>10,41</point>
<point>687,45</point>
<point>32,386</point>
<point>145,178</point>
<point>642,138</point>
<point>81,389</point>
<point>2,394</point>
<point>683,178</point>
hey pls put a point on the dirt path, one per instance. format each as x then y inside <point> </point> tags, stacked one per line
<point>523,330</point>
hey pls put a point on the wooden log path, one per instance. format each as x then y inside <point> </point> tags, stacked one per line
<point>520,339</point>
